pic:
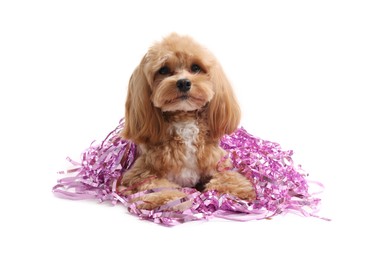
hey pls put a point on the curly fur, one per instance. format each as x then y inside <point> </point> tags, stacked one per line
<point>178,130</point>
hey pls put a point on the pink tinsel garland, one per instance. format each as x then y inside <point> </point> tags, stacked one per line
<point>280,185</point>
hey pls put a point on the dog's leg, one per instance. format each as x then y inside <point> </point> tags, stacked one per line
<point>170,192</point>
<point>166,192</point>
<point>230,182</point>
<point>138,179</point>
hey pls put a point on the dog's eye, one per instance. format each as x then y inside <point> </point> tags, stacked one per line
<point>164,70</point>
<point>195,68</point>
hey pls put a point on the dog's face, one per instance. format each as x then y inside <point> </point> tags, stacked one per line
<point>178,74</point>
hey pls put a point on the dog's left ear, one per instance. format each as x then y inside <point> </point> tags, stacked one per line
<point>223,111</point>
<point>143,122</point>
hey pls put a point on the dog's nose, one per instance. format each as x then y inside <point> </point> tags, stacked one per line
<point>183,85</point>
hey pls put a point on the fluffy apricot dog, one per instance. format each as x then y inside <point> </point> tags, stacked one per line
<point>179,104</point>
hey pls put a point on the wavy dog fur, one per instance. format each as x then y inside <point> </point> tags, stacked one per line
<point>179,104</point>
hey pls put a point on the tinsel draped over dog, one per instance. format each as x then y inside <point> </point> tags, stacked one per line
<point>280,185</point>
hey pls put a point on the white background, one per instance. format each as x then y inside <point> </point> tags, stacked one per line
<point>304,73</point>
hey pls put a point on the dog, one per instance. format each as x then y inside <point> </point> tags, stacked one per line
<point>179,105</point>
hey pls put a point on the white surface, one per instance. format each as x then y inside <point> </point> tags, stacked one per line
<point>304,74</point>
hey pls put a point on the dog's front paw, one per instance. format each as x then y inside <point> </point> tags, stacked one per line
<point>167,200</point>
<point>232,183</point>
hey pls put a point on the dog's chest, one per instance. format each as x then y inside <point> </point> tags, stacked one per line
<point>188,174</point>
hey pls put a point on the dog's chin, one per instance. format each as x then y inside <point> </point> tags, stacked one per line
<point>183,103</point>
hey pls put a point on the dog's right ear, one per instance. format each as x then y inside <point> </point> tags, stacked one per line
<point>143,122</point>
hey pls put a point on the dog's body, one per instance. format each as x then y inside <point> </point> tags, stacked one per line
<point>179,105</point>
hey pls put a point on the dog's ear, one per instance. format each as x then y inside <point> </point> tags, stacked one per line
<point>143,121</point>
<point>223,111</point>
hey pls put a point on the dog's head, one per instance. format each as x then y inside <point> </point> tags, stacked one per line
<point>178,74</point>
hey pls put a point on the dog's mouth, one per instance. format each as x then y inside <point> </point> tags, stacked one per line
<point>183,102</point>
<point>183,98</point>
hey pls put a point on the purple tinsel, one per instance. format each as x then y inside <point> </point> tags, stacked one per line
<point>280,185</point>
